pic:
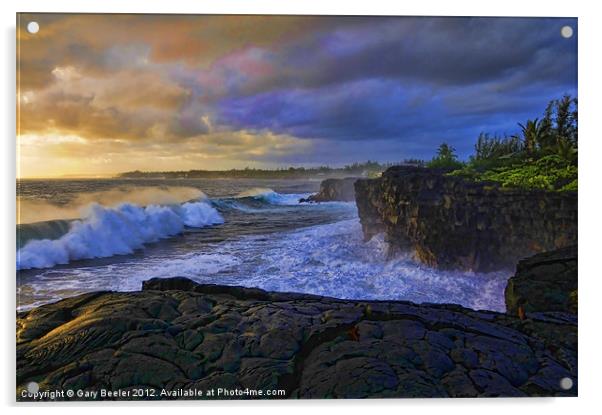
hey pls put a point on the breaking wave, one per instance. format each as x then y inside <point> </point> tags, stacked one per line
<point>271,197</point>
<point>258,200</point>
<point>31,211</point>
<point>108,231</point>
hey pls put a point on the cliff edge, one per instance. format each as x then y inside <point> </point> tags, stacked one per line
<point>449,222</point>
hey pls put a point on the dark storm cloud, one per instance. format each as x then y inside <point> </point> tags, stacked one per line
<point>440,51</point>
<point>411,80</point>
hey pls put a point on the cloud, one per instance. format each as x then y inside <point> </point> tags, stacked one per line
<point>130,104</point>
<point>257,89</point>
<point>437,51</point>
<point>96,42</point>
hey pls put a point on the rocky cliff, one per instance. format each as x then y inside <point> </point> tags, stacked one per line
<point>453,223</point>
<point>177,335</point>
<point>332,190</point>
<point>544,282</point>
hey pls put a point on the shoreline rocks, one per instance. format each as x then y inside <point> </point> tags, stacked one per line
<point>176,334</point>
<point>334,190</point>
<point>452,223</point>
<point>544,282</point>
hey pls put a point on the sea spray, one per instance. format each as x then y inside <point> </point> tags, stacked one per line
<point>34,210</point>
<point>104,232</point>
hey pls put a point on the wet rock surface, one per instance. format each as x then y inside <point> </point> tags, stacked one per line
<point>452,223</point>
<point>177,334</point>
<point>544,282</point>
<point>334,190</point>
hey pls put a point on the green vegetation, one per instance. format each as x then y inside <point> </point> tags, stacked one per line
<point>446,158</point>
<point>542,156</point>
<point>548,173</point>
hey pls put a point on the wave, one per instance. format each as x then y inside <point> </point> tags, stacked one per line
<point>108,231</point>
<point>330,260</point>
<point>258,200</point>
<point>271,197</point>
<point>104,231</point>
<point>31,211</point>
<point>52,229</point>
<point>333,260</point>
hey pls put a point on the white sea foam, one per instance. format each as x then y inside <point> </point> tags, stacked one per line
<point>331,260</point>
<point>104,232</point>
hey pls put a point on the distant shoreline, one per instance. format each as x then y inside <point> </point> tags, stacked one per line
<point>367,169</point>
<point>170,177</point>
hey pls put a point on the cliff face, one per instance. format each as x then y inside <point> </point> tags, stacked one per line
<point>452,223</point>
<point>332,190</point>
<point>546,281</point>
<point>179,335</point>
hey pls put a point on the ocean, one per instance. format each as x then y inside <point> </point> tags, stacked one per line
<point>77,236</point>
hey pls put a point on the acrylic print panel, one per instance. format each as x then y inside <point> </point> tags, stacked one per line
<point>276,207</point>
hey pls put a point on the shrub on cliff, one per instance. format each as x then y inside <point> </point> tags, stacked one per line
<point>542,156</point>
<point>548,173</point>
<point>492,152</point>
<point>446,158</point>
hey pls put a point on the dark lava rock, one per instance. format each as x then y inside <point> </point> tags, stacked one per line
<point>449,222</point>
<point>544,282</point>
<point>179,335</point>
<point>334,190</point>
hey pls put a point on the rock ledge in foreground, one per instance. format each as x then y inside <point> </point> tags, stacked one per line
<point>177,334</point>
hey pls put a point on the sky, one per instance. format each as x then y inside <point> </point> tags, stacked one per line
<point>104,94</point>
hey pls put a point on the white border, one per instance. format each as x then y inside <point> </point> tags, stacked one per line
<point>590,158</point>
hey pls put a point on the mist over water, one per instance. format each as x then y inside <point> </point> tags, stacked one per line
<point>238,232</point>
<point>36,210</point>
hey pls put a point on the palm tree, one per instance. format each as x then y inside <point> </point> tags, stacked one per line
<point>566,150</point>
<point>446,152</point>
<point>534,135</point>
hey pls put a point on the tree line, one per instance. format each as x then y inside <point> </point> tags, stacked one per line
<point>542,156</point>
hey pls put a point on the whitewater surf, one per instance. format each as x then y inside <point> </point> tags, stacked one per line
<point>105,231</point>
<point>252,233</point>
